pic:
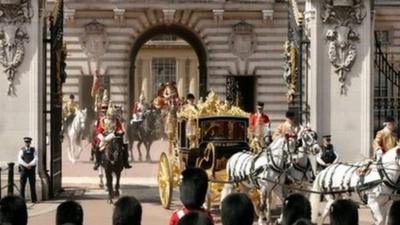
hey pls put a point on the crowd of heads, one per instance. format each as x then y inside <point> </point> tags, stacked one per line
<point>13,211</point>
<point>236,208</point>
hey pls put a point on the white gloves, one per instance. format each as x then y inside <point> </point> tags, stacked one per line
<point>378,154</point>
<point>101,137</point>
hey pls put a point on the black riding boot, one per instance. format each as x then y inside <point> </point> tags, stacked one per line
<point>126,156</point>
<point>97,155</point>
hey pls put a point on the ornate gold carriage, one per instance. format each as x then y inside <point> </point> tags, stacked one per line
<point>206,136</point>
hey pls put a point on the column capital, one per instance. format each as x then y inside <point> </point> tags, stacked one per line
<point>169,15</point>
<point>218,15</point>
<point>267,15</point>
<point>69,15</point>
<point>119,15</point>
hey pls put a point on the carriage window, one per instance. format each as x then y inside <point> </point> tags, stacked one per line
<point>224,130</point>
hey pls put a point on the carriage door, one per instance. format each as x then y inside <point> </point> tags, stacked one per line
<point>241,90</point>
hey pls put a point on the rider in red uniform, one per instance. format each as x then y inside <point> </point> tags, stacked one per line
<point>139,109</point>
<point>106,128</point>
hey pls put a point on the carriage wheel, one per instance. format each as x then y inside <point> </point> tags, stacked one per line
<point>164,180</point>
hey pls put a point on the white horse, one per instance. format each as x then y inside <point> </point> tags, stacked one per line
<point>257,170</point>
<point>74,132</point>
<point>253,170</point>
<point>300,170</point>
<point>377,185</point>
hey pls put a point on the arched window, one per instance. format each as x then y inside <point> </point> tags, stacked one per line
<point>164,70</point>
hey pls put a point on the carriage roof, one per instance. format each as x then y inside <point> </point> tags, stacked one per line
<point>210,108</point>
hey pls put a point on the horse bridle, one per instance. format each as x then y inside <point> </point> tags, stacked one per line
<point>312,136</point>
<point>307,150</point>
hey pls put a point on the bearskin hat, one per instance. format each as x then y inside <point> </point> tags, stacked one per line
<point>394,216</point>
<point>237,208</point>
<point>295,207</point>
<point>343,212</point>
<point>193,188</point>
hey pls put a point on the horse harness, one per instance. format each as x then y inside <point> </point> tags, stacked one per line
<point>271,165</point>
<point>386,179</point>
<point>303,169</point>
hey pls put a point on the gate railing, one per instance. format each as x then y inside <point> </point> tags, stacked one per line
<point>57,78</point>
<point>294,53</point>
<point>387,87</point>
<point>10,186</point>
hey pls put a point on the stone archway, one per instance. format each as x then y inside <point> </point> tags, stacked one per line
<point>184,33</point>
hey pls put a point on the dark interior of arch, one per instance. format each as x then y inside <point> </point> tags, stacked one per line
<point>186,35</point>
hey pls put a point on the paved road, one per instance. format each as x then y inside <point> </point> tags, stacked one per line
<point>81,183</point>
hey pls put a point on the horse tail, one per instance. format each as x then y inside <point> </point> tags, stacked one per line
<point>315,199</point>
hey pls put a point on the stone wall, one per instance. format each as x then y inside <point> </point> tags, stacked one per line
<point>21,110</point>
<point>387,19</point>
<point>212,23</point>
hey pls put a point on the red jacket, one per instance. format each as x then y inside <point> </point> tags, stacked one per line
<point>178,214</point>
<point>100,126</point>
<point>253,119</point>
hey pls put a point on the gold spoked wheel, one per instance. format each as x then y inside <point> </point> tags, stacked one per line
<point>164,180</point>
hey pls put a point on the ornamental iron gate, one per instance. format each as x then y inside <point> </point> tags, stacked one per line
<point>57,78</point>
<point>387,88</point>
<point>294,58</point>
<point>240,91</point>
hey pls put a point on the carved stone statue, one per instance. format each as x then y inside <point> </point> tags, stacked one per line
<point>13,15</point>
<point>11,52</point>
<point>243,40</point>
<point>341,37</point>
<point>95,40</point>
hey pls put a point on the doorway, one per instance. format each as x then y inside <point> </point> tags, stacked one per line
<point>241,90</point>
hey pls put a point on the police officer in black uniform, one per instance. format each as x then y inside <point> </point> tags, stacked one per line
<point>27,160</point>
<point>328,155</point>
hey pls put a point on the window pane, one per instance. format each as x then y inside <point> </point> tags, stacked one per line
<point>164,70</point>
<point>383,36</point>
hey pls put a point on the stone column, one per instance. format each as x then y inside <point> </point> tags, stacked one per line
<point>21,86</point>
<point>194,78</point>
<point>181,76</point>
<point>147,79</point>
<point>138,78</point>
<point>341,82</point>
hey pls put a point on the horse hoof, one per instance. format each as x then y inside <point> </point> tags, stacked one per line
<point>110,201</point>
<point>117,193</point>
<point>101,185</point>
